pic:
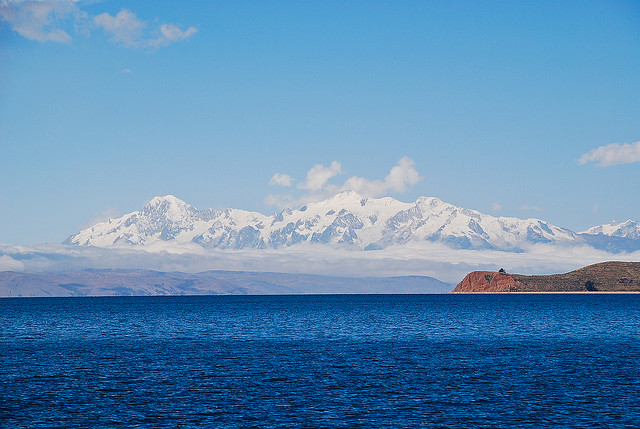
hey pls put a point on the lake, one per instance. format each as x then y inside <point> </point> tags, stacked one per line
<point>332,361</point>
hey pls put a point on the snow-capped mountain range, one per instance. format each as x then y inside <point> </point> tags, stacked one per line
<point>628,229</point>
<point>346,220</point>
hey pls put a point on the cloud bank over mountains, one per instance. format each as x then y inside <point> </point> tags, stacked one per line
<point>433,259</point>
<point>56,21</point>
<point>346,234</point>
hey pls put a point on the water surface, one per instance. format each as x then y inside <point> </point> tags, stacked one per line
<point>321,361</point>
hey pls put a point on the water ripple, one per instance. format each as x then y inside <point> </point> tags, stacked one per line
<point>321,361</point>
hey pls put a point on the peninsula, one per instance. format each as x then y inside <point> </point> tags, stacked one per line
<point>602,277</point>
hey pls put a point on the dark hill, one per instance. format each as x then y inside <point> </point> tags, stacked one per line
<point>602,277</point>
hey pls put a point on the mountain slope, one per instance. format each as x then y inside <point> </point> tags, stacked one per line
<point>628,229</point>
<point>346,220</point>
<point>614,237</point>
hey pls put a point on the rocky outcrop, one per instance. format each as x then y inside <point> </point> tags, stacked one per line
<point>487,281</point>
<point>603,277</point>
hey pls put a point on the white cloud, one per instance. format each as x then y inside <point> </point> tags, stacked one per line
<point>281,180</point>
<point>318,187</point>
<point>7,263</point>
<point>54,20</point>
<point>319,175</point>
<point>170,33</point>
<point>430,259</point>
<point>530,208</point>
<point>496,207</point>
<point>127,30</point>
<point>40,20</point>
<point>280,200</point>
<point>401,175</point>
<point>124,28</point>
<point>613,154</point>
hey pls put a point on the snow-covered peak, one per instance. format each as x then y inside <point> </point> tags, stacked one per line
<point>347,219</point>
<point>627,229</point>
<point>167,203</point>
<point>433,204</point>
<point>355,202</point>
<point>344,197</point>
<point>168,208</point>
<point>167,199</point>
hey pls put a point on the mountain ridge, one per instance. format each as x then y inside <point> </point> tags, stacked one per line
<point>346,220</point>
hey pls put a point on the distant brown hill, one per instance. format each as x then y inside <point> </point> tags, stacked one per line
<point>146,282</point>
<point>602,277</point>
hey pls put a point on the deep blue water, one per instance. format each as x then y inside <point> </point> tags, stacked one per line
<point>321,361</point>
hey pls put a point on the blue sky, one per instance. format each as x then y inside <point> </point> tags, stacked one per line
<point>527,109</point>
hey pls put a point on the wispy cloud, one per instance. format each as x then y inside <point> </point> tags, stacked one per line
<point>170,33</point>
<point>612,154</point>
<point>124,28</point>
<point>318,183</point>
<point>103,216</point>
<point>281,200</point>
<point>281,180</point>
<point>56,20</point>
<point>527,207</point>
<point>41,20</point>
<point>7,263</point>
<point>496,207</point>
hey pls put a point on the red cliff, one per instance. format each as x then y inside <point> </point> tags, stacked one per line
<point>487,281</point>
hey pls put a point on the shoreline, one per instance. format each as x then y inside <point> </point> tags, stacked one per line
<point>546,293</point>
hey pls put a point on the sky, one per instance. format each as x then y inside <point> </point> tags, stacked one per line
<point>512,108</point>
